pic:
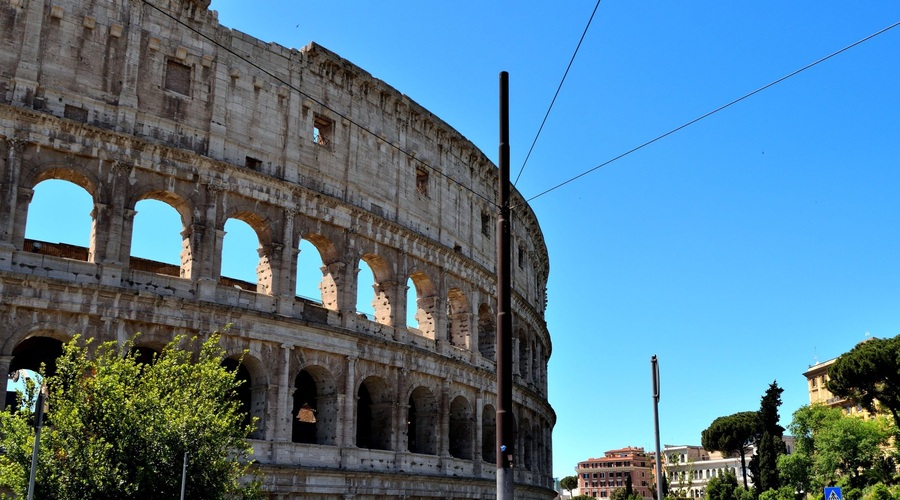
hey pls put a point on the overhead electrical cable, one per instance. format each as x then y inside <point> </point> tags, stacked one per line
<point>720,108</point>
<point>552,101</point>
<point>350,120</point>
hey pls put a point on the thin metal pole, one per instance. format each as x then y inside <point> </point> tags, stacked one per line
<point>184,474</point>
<point>38,423</point>
<point>654,368</point>
<point>505,445</point>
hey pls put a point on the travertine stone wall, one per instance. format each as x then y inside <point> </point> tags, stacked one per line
<point>134,100</point>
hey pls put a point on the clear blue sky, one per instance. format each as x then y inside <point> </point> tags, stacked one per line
<point>738,250</point>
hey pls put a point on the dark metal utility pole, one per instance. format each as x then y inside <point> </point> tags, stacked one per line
<point>505,445</point>
<point>654,368</point>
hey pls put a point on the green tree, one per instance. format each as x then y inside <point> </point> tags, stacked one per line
<point>722,487</point>
<point>569,483</point>
<point>732,435</point>
<point>849,447</point>
<point>770,443</point>
<point>868,373</point>
<point>119,429</point>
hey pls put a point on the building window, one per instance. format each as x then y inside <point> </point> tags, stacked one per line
<point>178,77</point>
<point>422,181</point>
<point>486,230</point>
<point>252,163</point>
<point>323,130</point>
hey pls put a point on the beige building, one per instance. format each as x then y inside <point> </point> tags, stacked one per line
<point>599,477</point>
<point>816,379</point>
<point>154,100</point>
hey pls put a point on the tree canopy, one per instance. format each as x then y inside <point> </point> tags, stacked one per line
<point>836,449</point>
<point>869,373</point>
<point>119,428</point>
<point>732,434</point>
<point>569,483</point>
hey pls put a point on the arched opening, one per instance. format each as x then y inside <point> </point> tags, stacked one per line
<point>144,355</point>
<point>373,415</point>
<point>487,344</point>
<point>309,273</point>
<point>421,422</point>
<point>527,446</point>
<point>240,255</point>
<point>524,353</point>
<point>157,243</point>
<point>365,290</point>
<point>304,414</point>
<point>29,357</point>
<point>60,220</point>
<point>461,428</point>
<point>420,304</point>
<point>489,434</point>
<point>243,393</point>
<point>458,314</point>
<point>535,366</point>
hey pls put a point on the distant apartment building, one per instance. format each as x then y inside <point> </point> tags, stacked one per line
<point>599,477</point>
<point>816,378</point>
<point>688,469</point>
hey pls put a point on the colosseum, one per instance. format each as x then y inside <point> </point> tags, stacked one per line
<point>133,100</point>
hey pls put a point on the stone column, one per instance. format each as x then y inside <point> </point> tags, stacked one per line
<point>208,254</point>
<point>283,408</point>
<point>350,403</point>
<point>127,108</point>
<point>401,416</point>
<point>478,434</point>
<point>333,285</point>
<point>9,216</point>
<point>5,362</point>
<point>286,286</point>
<point>385,302</point>
<point>444,430</point>
<point>24,83</point>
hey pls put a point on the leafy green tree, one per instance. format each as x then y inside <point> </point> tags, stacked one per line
<point>119,429</point>
<point>569,483</point>
<point>868,373</point>
<point>849,447</point>
<point>770,443</point>
<point>731,435</point>
<point>783,493</point>
<point>795,470</point>
<point>722,487</point>
<point>622,494</point>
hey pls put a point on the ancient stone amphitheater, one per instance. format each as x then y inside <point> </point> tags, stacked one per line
<point>152,99</point>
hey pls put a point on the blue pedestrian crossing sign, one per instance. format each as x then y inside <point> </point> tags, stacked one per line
<point>833,493</point>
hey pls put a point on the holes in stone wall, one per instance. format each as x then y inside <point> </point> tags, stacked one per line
<point>156,238</point>
<point>323,131</point>
<point>240,254</point>
<point>61,212</point>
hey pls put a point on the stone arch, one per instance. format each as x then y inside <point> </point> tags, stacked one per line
<point>66,218</point>
<point>461,428</point>
<point>384,289</point>
<point>487,332</point>
<point>489,434</point>
<point>253,389</point>
<point>63,171</point>
<point>373,414</point>
<point>184,211</point>
<point>425,303</point>
<point>315,407</point>
<point>43,348</point>
<point>267,250</point>
<point>422,421</point>
<point>332,280</point>
<point>458,316</point>
<point>53,330</point>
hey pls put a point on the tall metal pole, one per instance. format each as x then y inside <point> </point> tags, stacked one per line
<point>38,423</point>
<point>184,474</point>
<point>654,368</point>
<point>505,445</point>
